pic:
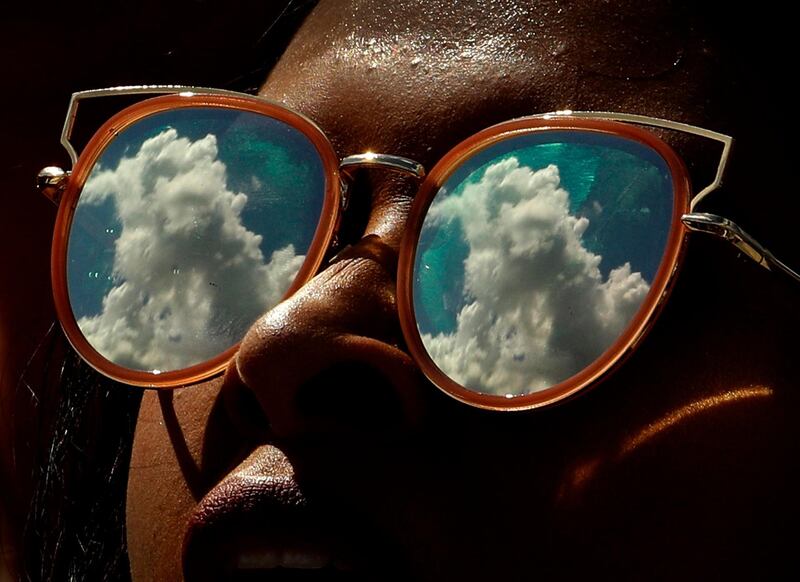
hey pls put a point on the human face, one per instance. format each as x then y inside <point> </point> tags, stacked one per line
<point>324,437</point>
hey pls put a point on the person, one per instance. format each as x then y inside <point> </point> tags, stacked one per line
<point>323,444</point>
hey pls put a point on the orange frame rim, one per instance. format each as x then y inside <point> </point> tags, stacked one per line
<point>325,230</point>
<point>647,313</point>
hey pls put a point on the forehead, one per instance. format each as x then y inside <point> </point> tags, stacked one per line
<point>413,78</point>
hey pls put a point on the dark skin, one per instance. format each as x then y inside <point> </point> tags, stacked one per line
<point>665,469</point>
<point>679,464</point>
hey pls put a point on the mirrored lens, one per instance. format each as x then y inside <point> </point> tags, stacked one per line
<point>191,224</point>
<point>536,254</point>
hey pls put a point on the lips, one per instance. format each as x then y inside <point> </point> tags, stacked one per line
<point>258,525</point>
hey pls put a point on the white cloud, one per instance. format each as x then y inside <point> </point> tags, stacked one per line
<point>189,276</point>
<point>538,309</point>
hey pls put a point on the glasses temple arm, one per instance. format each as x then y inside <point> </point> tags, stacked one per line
<point>730,231</point>
<point>52,180</point>
<point>72,111</point>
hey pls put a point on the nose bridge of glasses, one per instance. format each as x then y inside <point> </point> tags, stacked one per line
<point>398,164</point>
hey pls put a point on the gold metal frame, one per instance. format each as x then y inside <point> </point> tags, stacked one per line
<point>659,288</point>
<point>64,189</point>
<point>71,192</point>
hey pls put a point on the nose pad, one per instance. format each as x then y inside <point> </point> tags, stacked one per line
<point>328,358</point>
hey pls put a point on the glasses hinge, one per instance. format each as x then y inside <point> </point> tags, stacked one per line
<point>51,182</point>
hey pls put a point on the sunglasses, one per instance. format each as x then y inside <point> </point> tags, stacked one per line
<point>537,254</point>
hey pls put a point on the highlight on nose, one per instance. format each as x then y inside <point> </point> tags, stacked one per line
<point>326,360</point>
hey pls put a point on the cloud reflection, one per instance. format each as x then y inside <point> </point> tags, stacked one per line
<point>189,277</point>
<point>537,307</point>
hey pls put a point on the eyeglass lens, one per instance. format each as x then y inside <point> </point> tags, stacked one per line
<point>191,224</point>
<point>536,254</point>
<point>533,258</point>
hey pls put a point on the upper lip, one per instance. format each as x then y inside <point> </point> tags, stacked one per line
<point>258,518</point>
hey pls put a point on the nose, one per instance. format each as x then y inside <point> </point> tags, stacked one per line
<point>331,358</point>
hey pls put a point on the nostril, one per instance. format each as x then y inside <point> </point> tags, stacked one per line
<point>350,396</point>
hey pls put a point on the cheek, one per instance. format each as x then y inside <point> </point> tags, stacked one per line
<point>172,461</point>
